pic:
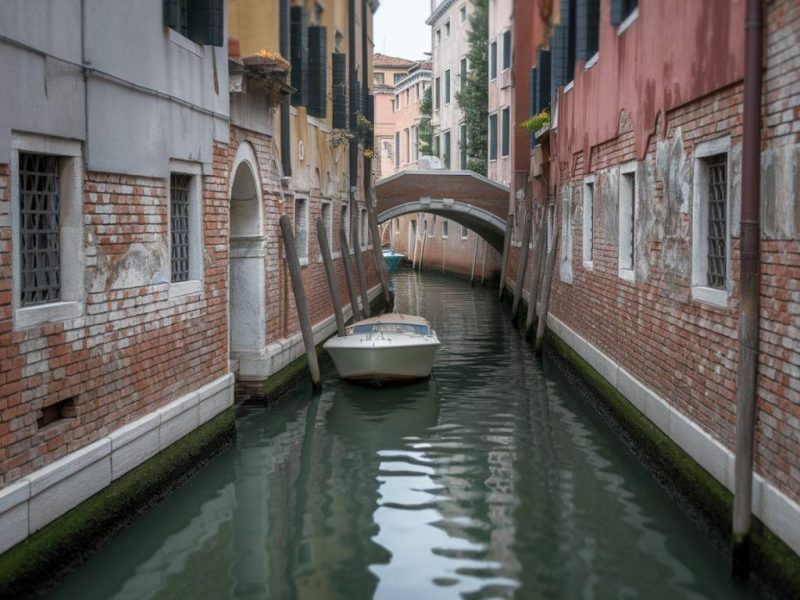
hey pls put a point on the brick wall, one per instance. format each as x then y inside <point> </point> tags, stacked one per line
<point>684,349</point>
<point>135,348</point>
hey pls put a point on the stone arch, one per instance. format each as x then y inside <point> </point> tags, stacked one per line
<point>247,298</point>
<point>486,224</point>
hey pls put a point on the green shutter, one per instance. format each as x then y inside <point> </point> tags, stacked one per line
<point>171,13</point>
<point>299,55</point>
<point>339,81</point>
<point>318,71</point>
<point>206,22</point>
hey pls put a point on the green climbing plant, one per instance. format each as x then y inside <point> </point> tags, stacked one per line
<point>474,101</point>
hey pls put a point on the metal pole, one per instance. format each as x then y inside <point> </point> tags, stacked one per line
<point>330,272</point>
<point>536,271</point>
<point>547,284</point>
<point>749,285</point>
<point>521,267</point>
<point>474,260</point>
<point>300,299</point>
<point>348,275</point>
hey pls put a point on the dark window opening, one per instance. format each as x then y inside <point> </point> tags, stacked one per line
<point>446,150</point>
<point>588,29</point>
<point>40,229</point>
<point>493,61</point>
<point>179,226</point>
<point>622,9</point>
<point>56,412</point>
<point>493,137</point>
<point>717,219</point>
<point>299,55</point>
<point>506,50</point>
<point>199,20</point>
<point>506,131</point>
<point>447,86</point>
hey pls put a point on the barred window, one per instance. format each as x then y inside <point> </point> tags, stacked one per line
<point>717,220</point>
<point>40,229</point>
<point>179,225</point>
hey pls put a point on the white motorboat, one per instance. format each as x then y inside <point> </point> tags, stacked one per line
<point>389,348</point>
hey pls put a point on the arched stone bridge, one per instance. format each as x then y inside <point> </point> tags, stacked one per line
<point>461,196</point>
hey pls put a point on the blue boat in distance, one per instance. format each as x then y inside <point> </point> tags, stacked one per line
<point>391,257</point>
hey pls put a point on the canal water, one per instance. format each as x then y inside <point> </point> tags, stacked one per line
<point>491,480</point>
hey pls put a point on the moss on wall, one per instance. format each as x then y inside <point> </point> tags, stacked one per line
<point>38,562</point>
<point>776,568</point>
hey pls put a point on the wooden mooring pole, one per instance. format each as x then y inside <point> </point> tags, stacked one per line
<point>422,249</point>
<point>536,271</point>
<point>300,299</point>
<point>483,267</point>
<point>474,260</point>
<point>546,286</point>
<point>506,248</point>
<point>330,272</point>
<point>521,267</point>
<point>348,274</point>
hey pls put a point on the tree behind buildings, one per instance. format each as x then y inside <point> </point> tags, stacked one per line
<point>475,99</point>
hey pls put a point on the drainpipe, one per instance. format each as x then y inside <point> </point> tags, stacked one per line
<point>749,289</point>
<point>286,103</point>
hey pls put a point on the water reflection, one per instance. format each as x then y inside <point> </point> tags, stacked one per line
<point>490,480</point>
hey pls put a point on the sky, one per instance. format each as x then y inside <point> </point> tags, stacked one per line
<point>400,28</point>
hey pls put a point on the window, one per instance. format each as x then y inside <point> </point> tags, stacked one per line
<point>462,13</point>
<point>408,145</point>
<point>438,36</point>
<point>301,229</point>
<point>396,148</point>
<point>415,143</point>
<point>711,223</point>
<point>565,271</point>
<point>506,50</point>
<point>378,78</point>
<point>627,221</point>
<point>364,228</point>
<point>398,77</point>
<point>464,232</point>
<point>563,45</point>
<point>345,224</point>
<point>318,71</point>
<point>445,228</point>
<point>447,30</point>
<point>447,86</point>
<point>588,222</point>
<point>179,190</point>
<point>446,150</point>
<point>299,55</point>
<point>493,61</point>
<point>464,72</point>
<point>588,29</point>
<point>463,147</point>
<point>493,137</point>
<point>506,150</point>
<point>432,231</point>
<point>621,10</point>
<point>438,93</point>
<point>198,20</point>
<point>47,226</point>
<point>327,222</point>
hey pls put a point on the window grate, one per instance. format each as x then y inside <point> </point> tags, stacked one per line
<point>179,225</point>
<point>717,220</point>
<point>40,229</point>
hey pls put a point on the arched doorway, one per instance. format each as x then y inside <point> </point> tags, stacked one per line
<point>247,300</point>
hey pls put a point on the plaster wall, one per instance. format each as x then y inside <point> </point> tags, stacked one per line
<point>500,88</point>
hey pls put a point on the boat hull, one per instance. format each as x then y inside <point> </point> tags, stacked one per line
<point>392,261</point>
<point>387,364</point>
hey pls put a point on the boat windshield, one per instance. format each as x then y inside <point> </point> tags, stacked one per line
<point>407,328</point>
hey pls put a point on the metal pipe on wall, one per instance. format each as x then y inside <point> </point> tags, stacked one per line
<point>749,286</point>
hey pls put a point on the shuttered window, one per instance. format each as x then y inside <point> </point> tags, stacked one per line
<point>199,20</point>
<point>506,150</point>
<point>587,28</point>
<point>493,137</point>
<point>299,55</point>
<point>446,150</point>
<point>317,71</point>
<point>622,9</point>
<point>506,50</point>
<point>397,149</point>
<point>339,81</point>
<point>493,61</point>
<point>438,93</point>
<point>179,226</point>
<point>563,46</point>
<point>543,65</point>
<point>447,86</point>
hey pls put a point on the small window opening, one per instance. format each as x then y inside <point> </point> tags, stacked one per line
<point>56,412</point>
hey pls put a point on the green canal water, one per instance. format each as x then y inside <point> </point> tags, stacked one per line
<point>491,480</point>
